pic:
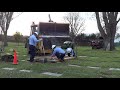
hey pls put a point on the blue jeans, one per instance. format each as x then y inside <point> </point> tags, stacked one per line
<point>32,51</point>
<point>60,56</point>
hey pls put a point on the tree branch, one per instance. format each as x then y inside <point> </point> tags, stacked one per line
<point>16,16</point>
<point>116,13</point>
<point>118,20</point>
<point>105,19</point>
<point>99,25</point>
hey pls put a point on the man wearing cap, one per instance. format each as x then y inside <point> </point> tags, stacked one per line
<point>32,45</point>
<point>58,52</point>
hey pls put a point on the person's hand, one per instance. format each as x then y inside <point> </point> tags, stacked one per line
<point>40,39</point>
<point>51,58</point>
<point>40,36</point>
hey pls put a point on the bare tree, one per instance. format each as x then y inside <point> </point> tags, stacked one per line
<point>107,26</point>
<point>76,24</point>
<point>5,20</point>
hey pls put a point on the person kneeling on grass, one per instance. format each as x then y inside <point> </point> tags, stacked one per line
<point>70,52</point>
<point>58,52</point>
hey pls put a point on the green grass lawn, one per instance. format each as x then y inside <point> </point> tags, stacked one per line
<point>94,58</point>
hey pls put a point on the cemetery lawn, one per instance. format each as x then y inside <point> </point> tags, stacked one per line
<point>89,64</point>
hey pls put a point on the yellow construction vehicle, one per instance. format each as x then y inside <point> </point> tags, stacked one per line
<point>52,33</point>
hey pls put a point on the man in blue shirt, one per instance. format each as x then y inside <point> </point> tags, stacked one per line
<point>58,52</point>
<point>32,45</point>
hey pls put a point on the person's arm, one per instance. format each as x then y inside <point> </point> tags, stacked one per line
<point>53,54</point>
<point>36,40</point>
<point>73,53</point>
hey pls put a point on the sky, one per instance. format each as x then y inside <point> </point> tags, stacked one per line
<point>23,22</point>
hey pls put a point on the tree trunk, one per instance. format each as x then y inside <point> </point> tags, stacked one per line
<point>110,28</point>
<point>107,44</point>
<point>5,39</point>
<point>75,46</point>
<point>112,45</point>
<point>76,53</point>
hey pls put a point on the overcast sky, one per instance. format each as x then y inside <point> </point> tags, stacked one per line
<point>22,23</point>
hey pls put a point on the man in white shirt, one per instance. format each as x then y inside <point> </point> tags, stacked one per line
<point>70,52</point>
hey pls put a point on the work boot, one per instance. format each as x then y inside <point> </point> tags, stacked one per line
<point>61,60</point>
<point>32,62</point>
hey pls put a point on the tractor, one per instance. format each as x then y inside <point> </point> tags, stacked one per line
<point>52,33</point>
<point>97,44</point>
